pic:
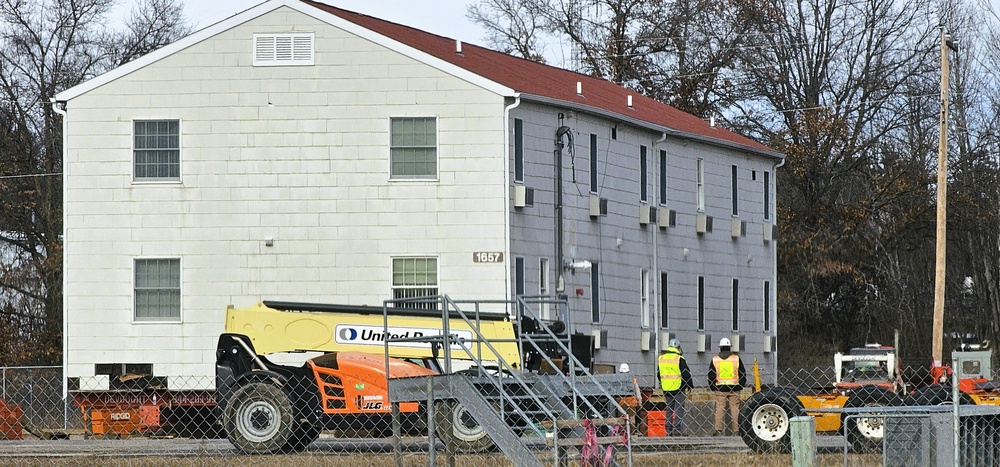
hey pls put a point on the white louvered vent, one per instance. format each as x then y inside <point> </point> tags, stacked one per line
<point>283,49</point>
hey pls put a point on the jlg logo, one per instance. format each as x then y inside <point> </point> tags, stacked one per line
<point>372,406</point>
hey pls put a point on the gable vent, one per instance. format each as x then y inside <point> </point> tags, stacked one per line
<point>283,49</point>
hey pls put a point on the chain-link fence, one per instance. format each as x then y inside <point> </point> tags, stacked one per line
<point>311,418</point>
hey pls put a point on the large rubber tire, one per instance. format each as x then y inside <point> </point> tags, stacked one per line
<point>457,428</point>
<point>765,420</point>
<point>259,419</point>
<point>303,435</point>
<point>865,434</point>
<point>936,394</point>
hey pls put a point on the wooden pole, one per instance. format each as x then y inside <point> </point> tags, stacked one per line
<point>942,193</point>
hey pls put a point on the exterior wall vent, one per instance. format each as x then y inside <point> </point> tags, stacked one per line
<point>647,214</point>
<point>701,223</point>
<point>665,337</point>
<point>285,49</point>
<point>738,229</point>
<point>704,343</point>
<point>523,196</point>
<point>737,342</point>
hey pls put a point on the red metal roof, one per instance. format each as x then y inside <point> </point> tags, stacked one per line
<point>526,76</point>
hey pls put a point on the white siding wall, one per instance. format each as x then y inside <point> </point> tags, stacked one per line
<point>309,170</point>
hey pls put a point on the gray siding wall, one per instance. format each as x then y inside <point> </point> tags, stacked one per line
<point>622,248</point>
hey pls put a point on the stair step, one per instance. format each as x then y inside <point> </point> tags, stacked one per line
<point>601,441</point>
<point>574,423</point>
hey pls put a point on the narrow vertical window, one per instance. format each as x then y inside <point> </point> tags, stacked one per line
<point>736,304</point>
<point>736,192</point>
<point>518,150</point>
<point>663,178</point>
<point>593,163</point>
<point>700,192</point>
<point>518,276</point>
<point>543,287</point>
<point>664,302</point>
<point>701,303</point>
<point>595,293</point>
<point>643,177</point>
<point>767,305</point>
<point>644,298</point>
<point>767,195</point>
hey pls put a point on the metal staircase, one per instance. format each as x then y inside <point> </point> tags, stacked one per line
<point>527,415</point>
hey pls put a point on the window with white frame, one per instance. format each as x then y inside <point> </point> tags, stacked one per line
<point>284,49</point>
<point>518,150</point>
<point>413,147</point>
<point>643,175</point>
<point>664,302</point>
<point>736,191</point>
<point>158,289</point>
<point>543,287</point>
<point>414,277</point>
<point>701,303</point>
<point>701,185</point>
<point>156,149</point>
<point>644,298</point>
<point>767,195</point>
<point>767,306</point>
<point>736,304</point>
<point>663,177</point>
<point>593,163</point>
<point>595,293</point>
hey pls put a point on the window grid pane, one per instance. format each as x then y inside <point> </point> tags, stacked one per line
<point>157,289</point>
<point>157,149</point>
<point>413,147</point>
<point>414,277</point>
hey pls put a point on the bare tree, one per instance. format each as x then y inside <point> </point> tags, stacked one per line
<point>46,47</point>
<point>676,51</point>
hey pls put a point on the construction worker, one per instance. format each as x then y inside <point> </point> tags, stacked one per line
<point>726,377</point>
<point>675,380</point>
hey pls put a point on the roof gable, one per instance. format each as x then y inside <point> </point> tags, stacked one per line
<point>500,73</point>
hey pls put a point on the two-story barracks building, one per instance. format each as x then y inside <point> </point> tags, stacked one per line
<point>300,152</point>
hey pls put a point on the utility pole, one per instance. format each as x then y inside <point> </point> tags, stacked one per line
<point>942,193</point>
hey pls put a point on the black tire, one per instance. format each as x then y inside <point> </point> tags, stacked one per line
<point>303,435</point>
<point>936,394</point>
<point>765,420</point>
<point>865,434</point>
<point>259,419</point>
<point>456,427</point>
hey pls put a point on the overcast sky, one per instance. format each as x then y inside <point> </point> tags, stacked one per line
<point>442,17</point>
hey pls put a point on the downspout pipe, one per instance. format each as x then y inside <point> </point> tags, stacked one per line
<point>508,156</point>
<point>657,320</point>
<point>774,260</point>
<point>508,220</point>
<point>59,107</point>
<point>558,190</point>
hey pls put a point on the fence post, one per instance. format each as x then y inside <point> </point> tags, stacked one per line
<point>803,441</point>
<point>956,400</point>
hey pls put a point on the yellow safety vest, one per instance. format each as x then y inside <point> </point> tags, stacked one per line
<point>726,370</point>
<point>670,370</point>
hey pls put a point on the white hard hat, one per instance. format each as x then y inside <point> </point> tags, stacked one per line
<point>623,368</point>
<point>725,342</point>
<point>674,343</point>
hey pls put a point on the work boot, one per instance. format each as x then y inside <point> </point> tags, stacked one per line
<point>717,433</point>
